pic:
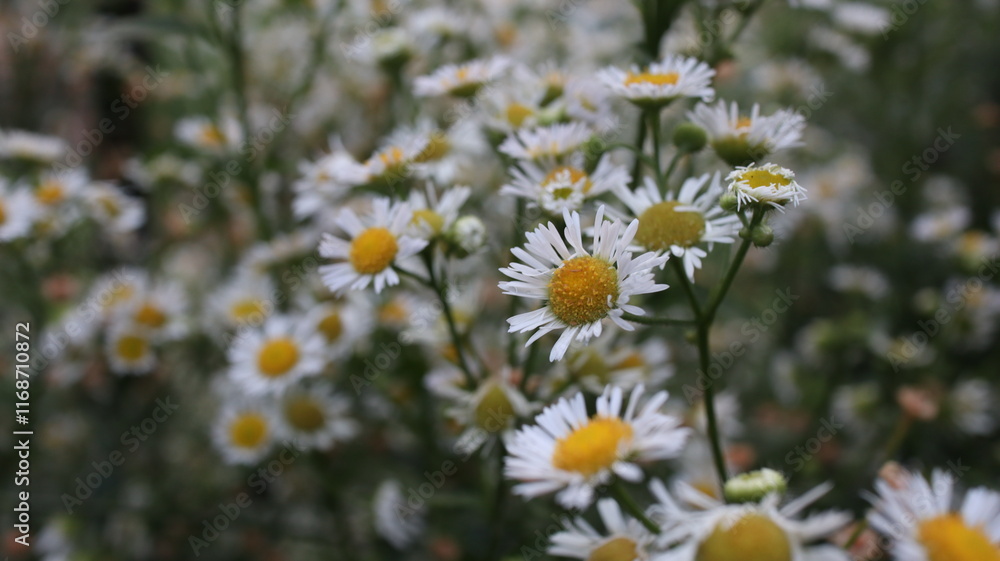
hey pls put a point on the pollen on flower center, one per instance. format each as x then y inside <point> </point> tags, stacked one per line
<point>668,79</point>
<point>248,430</point>
<point>568,174</point>
<point>277,356</point>
<point>428,217</point>
<point>3,213</point>
<point>583,290</point>
<point>494,410</point>
<point>947,538</point>
<point>592,447</point>
<point>304,414</point>
<point>246,309</point>
<point>661,226</point>
<point>616,549</point>
<point>373,250</point>
<point>331,327</point>
<point>437,147</point>
<point>762,178</point>
<point>131,347</point>
<point>754,537</point>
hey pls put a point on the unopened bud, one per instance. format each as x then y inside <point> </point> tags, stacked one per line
<point>689,137</point>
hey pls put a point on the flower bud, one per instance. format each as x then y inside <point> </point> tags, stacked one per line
<point>465,236</point>
<point>755,485</point>
<point>689,137</point>
<point>762,235</point>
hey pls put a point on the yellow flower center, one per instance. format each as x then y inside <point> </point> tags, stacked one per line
<point>754,537</point>
<point>437,147</point>
<point>428,217</point>
<point>592,447</point>
<point>574,175</point>
<point>668,79</point>
<point>246,309</point>
<point>331,326</point>
<point>119,296</point>
<point>743,123</point>
<point>517,113</point>
<point>277,356</point>
<point>615,549</point>
<point>947,538</point>
<point>304,413</point>
<point>212,136</point>
<point>582,290</point>
<point>661,226</point>
<point>762,178</point>
<point>393,158</point>
<point>131,347</point>
<point>494,410</point>
<point>591,363</point>
<point>249,430</point>
<point>373,250</point>
<point>3,213</point>
<point>50,193</point>
<point>150,315</point>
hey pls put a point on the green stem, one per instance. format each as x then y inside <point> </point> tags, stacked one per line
<point>862,526</point>
<point>686,285</point>
<point>715,439</point>
<point>898,436</point>
<point>650,320</point>
<point>625,499</point>
<point>720,292</point>
<point>653,119</point>
<point>463,363</point>
<point>635,150</point>
<point>499,504</point>
<point>671,167</point>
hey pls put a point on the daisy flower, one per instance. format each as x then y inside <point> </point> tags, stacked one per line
<point>56,190</point>
<point>461,80</point>
<point>246,300</point>
<point>677,226</point>
<point>17,212</point>
<point>343,324</point>
<point>513,105</point>
<point>204,134</point>
<point>741,140</point>
<point>663,81</point>
<point>491,409</point>
<point>375,246</point>
<point>272,358</point>
<point>433,215</point>
<point>112,209</point>
<point>34,147</point>
<point>581,289</point>
<point>757,530</point>
<point>549,143</point>
<point>927,524</point>
<point>325,180</point>
<point>129,350</point>
<point>604,362</point>
<point>565,187</point>
<point>158,309</point>
<point>626,539</point>
<point>315,417</point>
<point>768,184</point>
<point>245,432</point>
<point>573,453</point>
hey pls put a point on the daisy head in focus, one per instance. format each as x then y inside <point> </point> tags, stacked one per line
<point>769,185</point>
<point>565,187</point>
<point>270,359</point>
<point>461,80</point>
<point>572,452</point>
<point>742,139</point>
<point>315,417</point>
<point>927,522</point>
<point>581,288</point>
<point>245,431</point>
<point>624,538</point>
<point>678,226</point>
<point>375,246</point>
<point>751,526</point>
<point>670,78</point>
